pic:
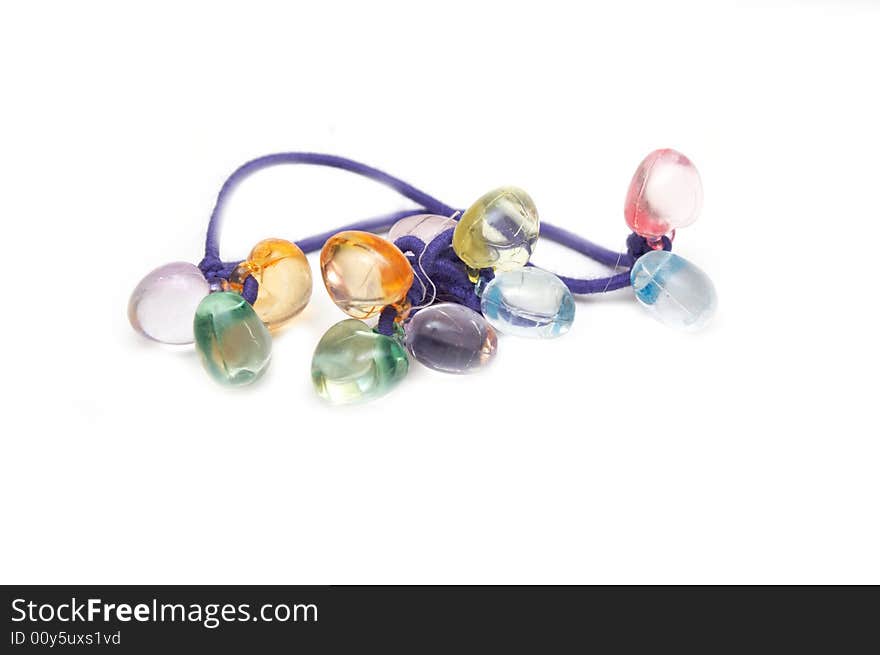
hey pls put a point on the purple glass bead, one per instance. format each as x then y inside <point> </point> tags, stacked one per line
<point>451,338</point>
<point>162,306</point>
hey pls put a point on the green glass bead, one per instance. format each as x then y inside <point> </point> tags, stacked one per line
<point>234,345</point>
<point>352,363</point>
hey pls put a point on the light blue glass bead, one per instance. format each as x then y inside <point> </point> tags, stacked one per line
<point>675,291</point>
<point>528,302</point>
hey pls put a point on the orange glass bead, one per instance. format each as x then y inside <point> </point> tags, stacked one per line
<point>364,273</point>
<point>285,280</point>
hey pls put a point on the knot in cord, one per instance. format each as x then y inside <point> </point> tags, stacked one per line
<point>217,272</point>
<point>214,270</point>
<point>637,245</point>
<point>438,275</point>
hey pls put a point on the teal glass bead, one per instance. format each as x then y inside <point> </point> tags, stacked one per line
<point>528,302</point>
<point>352,363</point>
<point>675,291</point>
<point>234,345</point>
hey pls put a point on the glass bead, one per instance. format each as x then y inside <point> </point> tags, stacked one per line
<point>451,338</point>
<point>675,291</point>
<point>498,231</point>
<point>528,302</point>
<point>665,194</point>
<point>284,277</point>
<point>163,303</point>
<point>364,273</point>
<point>352,363</point>
<point>234,345</point>
<point>422,226</point>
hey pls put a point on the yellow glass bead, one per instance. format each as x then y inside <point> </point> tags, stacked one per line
<point>498,231</point>
<point>364,273</point>
<point>285,280</point>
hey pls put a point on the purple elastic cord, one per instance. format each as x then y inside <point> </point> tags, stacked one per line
<point>438,265</point>
<point>216,270</point>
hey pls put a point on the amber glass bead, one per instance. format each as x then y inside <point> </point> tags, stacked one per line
<point>285,280</point>
<point>364,273</point>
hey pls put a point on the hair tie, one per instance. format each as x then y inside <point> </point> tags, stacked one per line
<point>439,286</point>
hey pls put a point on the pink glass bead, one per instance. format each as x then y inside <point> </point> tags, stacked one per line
<point>422,226</point>
<point>665,194</point>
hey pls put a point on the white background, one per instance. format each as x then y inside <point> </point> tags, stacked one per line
<point>622,453</point>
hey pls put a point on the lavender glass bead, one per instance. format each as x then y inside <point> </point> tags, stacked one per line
<point>164,302</point>
<point>451,338</point>
<point>422,226</point>
<point>528,302</point>
<point>675,291</point>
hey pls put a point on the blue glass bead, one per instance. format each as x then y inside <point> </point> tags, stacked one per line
<point>451,338</point>
<point>528,302</point>
<point>675,291</point>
